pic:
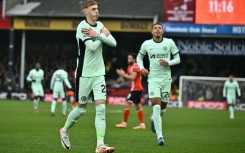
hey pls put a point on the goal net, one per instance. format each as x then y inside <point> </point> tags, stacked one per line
<point>207,92</point>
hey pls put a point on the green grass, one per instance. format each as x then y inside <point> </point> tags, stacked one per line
<point>185,131</point>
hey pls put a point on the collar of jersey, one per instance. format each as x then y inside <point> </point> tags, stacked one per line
<point>156,41</point>
<point>90,24</point>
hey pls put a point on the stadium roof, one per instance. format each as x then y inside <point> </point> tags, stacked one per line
<point>128,9</point>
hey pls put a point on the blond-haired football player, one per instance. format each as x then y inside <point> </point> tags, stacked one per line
<point>90,80</point>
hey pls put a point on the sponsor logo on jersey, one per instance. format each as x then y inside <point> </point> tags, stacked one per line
<point>159,55</point>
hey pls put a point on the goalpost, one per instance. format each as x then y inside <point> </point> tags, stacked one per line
<point>206,92</point>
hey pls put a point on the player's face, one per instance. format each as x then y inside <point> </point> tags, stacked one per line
<point>92,12</point>
<point>157,31</point>
<point>37,66</point>
<point>130,60</point>
<point>231,78</point>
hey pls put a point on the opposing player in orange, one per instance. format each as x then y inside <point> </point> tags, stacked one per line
<point>134,75</point>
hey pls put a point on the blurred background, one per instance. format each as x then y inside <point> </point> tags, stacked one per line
<point>209,34</point>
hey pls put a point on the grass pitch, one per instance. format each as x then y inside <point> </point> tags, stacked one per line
<point>185,131</point>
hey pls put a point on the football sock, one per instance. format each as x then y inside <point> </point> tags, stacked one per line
<point>100,123</point>
<point>141,115</point>
<point>157,120</point>
<point>35,103</point>
<point>126,114</point>
<point>73,117</point>
<point>64,107</point>
<point>231,110</point>
<point>53,106</point>
<point>163,111</point>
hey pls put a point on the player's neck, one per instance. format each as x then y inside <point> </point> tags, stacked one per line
<point>158,39</point>
<point>91,22</point>
<point>131,63</point>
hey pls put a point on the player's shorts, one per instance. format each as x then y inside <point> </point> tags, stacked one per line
<point>37,90</point>
<point>231,99</point>
<point>57,93</point>
<point>90,87</point>
<point>160,90</point>
<point>134,97</point>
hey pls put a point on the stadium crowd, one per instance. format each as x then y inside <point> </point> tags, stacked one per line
<point>194,65</point>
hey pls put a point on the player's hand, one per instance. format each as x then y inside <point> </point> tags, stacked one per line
<point>120,72</point>
<point>33,80</point>
<point>105,31</point>
<point>144,72</point>
<point>90,33</point>
<point>163,62</point>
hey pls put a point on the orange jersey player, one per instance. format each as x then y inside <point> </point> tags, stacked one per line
<point>135,85</point>
<point>134,75</point>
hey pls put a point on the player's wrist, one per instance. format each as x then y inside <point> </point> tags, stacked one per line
<point>97,35</point>
<point>100,35</point>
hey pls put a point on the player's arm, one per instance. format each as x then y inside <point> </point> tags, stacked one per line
<point>42,79</point>
<point>131,76</point>
<point>91,44</point>
<point>224,90</point>
<point>67,81</point>
<point>43,76</point>
<point>88,37</point>
<point>175,53</point>
<point>29,76</point>
<point>238,90</point>
<point>52,82</point>
<point>107,38</point>
<point>140,58</point>
<point>175,60</point>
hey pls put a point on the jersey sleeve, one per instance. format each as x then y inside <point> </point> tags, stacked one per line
<point>238,90</point>
<point>65,75</point>
<point>136,68</point>
<point>109,40</point>
<point>175,60</point>
<point>174,49</point>
<point>80,34</point>
<point>224,89</point>
<point>142,50</point>
<point>52,81</point>
<point>29,76</point>
<point>42,75</point>
<point>140,56</point>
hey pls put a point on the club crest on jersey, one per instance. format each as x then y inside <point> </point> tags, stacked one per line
<point>165,48</point>
<point>84,98</point>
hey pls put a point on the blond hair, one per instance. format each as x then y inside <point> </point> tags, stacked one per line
<point>87,3</point>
